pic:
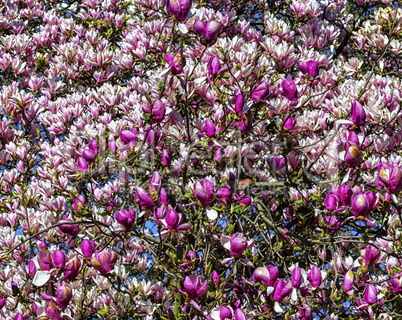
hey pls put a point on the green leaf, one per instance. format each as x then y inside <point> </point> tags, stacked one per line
<point>105,310</point>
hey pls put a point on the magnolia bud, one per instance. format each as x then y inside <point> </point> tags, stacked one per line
<point>82,164</point>
<point>281,290</point>
<point>348,281</point>
<point>358,115</point>
<point>176,62</point>
<point>64,294</point>
<point>127,136</point>
<point>296,277</point>
<point>158,111</point>
<point>204,192</point>
<point>178,8</point>
<point>353,156</point>
<point>261,91</point>
<point>225,313</point>
<point>289,89</point>
<point>87,248</point>
<point>126,218</point>
<point>315,276</point>
<point>70,229</point>
<point>59,259</point>
<point>309,68</point>
<point>214,65</point>
<point>370,294</point>
<point>195,286</point>
<point>212,30</point>
<point>144,199</point>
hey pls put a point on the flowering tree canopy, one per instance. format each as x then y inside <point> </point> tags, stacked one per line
<point>200,160</point>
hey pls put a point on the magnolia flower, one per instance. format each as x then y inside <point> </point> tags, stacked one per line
<point>72,269</point>
<point>166,158</point>
<point>70,229</point>
<point>261,91</point>
<point>296,277</point>
<point>281,290</point>
<point>289,89</point>
<point>64,293</point>
<point>289,124</point>
<point>104,261</point>
<point>309,68</point>
<point>236,244</point>
<point>240,315</point>
<point>225,312</point>
<point>59,259</point>
<point>178,8</point>
<point>331,202</point>
<point>214,66</point>
<point>360,205</point>
<point>204,192</point>
<point>173,221</point>
<point>390,176</point>
<point>209,31</point>
<point>314,276</point>
<point>371,255</point>
<point>127,136</point>
<point>78,204</point>
<point>348,281</point>
<point>209,128</point>
<point>176,62</point>
<point>144,199</point>
<point>353,156</point>
<point>87,248</point>
<point>358,115</point>
<point>126,218</point>
<point>344,194</point>
<point>158,111</point>
<point>216,278</point>
<point>195,286</point>
<point>267,275</point>
<point>370,294</point>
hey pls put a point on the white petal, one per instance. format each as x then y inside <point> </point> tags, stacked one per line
<point>294,294</point>
<point>41,277</point>
<point>277,307</point>
<point>182,28</point>
<point>270,290</point>
<point>343,121</point>
<point>200,80</point>
<point>212,214</point>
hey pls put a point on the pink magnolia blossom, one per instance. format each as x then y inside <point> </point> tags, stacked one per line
<point>195,286</point>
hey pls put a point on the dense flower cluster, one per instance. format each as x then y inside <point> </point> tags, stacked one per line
<point>183,159</point>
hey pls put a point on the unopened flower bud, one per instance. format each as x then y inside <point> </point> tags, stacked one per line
<point>204,192</point>
<point>87,248</point>
<point>212,30</point>
<point>370,294</point>
<point>289,89</point>
<point>348,281</point>
<point>261,91</point>
<point>315,276</point>
<point>214,66</point>
<point>358,115</point>
<point>309,68</point>
<point>353,156</point>
<point>178,8</point>
<point>64,294</point>
<point>281,290</point>
<point>158,111</point>
<point>59,259</point>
